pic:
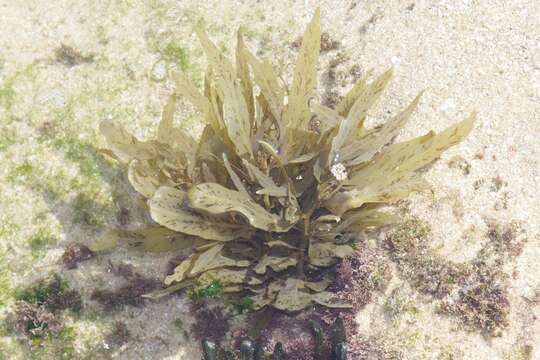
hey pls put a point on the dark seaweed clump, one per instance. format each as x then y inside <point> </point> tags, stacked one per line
<point>70,56</point>
<point>131,293</point>
<point>119,334</point>
<point>37,310</point>
<point>327,43</point>
<point>211,321</point>
<point>54,294</point>
<point>359,275</point>
<point>35,321</point>
<point>74,254</point>
<point>475,292</point>
<point>358,278</point>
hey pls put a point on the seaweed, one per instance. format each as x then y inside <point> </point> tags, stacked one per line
<point>119,334</point>
<point>176,54</point>
<point>52,293</point>
<point>70,57</point>
<point>35,320</point>
<point>39,241</point>
<point>476,292</point>
<point>327,43</point>
<point>458,162</point>
<point>211,322</point>
<point>481,301</point>
<point>131,293</point>
<point>358,276</point>
<point>37,310</point>
<point>268,202</point>
<point>213,290</point>
<point>74,254</point>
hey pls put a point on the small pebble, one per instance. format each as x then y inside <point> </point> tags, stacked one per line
<point>55,97</point>
<point>159,70</point>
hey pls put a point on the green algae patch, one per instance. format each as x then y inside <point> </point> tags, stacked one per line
<point>90,163</point>
<point>53,293</point>
<point>176,54</point>
<point>213,290</point>
<point>8,93</point>
<point>6,290</point>
<point>84,193</point>
<point>40,241</point>
<point>88,211</point>
<point>24,171</point>
<point>8,137</point>
<point>9,229</point>
<point>58,346</point>
<point>520,352</point>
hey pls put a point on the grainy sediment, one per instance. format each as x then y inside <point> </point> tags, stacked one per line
<point>67,65</point>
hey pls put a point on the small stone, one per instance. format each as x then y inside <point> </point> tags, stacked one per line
<point>528,292</point>
<point>448,105</point>
<point>159,70</point>
<point>55,97</point>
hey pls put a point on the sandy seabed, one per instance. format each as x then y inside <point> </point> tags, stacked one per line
<point>468,55</point>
